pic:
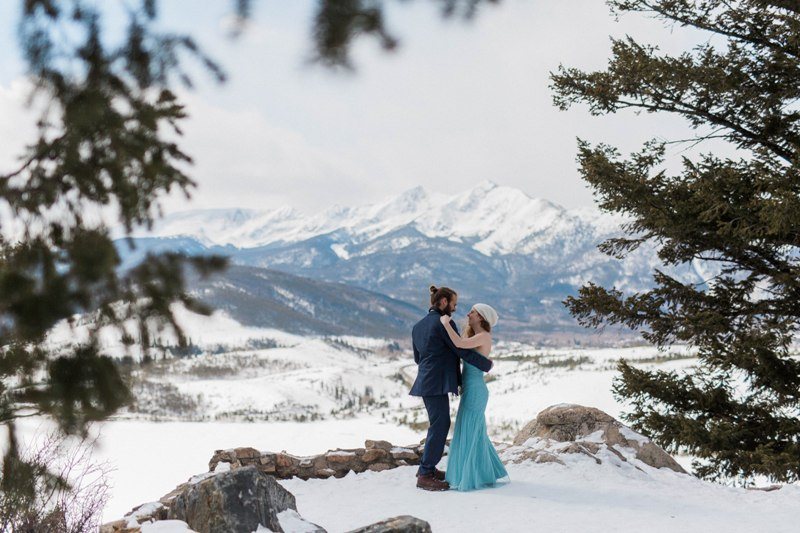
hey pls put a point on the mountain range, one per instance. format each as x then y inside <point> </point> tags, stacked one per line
<point>491,243</point>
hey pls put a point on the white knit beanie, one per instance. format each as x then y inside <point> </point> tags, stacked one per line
<point>487,312</point>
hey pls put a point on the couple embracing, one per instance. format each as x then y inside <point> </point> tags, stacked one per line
<point>438,348</point>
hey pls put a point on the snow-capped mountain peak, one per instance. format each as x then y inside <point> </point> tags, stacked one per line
<point>495,243</point>
<point>495,218</point>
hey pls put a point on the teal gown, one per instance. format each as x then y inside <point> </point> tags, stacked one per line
<point>473,462</point>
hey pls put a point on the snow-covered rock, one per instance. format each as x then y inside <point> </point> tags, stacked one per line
<point>568,429</point>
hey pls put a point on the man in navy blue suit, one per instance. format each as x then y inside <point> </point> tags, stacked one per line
<point>439,373</point>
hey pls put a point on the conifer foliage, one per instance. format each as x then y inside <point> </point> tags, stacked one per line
<point>738,411</point>
<point>107,143</point>
<point>105,148</point>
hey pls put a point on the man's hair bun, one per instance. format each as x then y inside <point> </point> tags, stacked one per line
<point>437,293</point>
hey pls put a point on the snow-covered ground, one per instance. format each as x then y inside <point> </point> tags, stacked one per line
<point>580,496</point>
<point>308,395</point>
<point>149,459</point>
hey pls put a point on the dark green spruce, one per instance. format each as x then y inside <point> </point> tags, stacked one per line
<point>106,145</point>
<point>105,153</point>
<point>738,411</point>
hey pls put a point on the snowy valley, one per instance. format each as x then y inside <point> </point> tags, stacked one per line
<point>236,373</point>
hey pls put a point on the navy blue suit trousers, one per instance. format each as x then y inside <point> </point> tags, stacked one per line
<point>438,408</point>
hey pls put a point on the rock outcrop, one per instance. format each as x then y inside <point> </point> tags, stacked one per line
<point>235,502</point>
<point>568,429</point>
<point>398,524</point>
<point>214,487</point>
<point>376,456</point>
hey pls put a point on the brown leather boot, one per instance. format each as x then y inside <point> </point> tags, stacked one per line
<point>438,474</point>
<point>429,482</point>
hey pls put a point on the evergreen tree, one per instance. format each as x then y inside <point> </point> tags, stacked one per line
<point>102,147</point>
<point>106,143</point>
<point>737,411</point>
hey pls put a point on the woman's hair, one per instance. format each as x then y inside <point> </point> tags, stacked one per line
<point>484,324</point>
<point>437,293</point>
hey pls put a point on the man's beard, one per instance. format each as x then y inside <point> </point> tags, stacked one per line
<point>446,310</point>
<point>443,310</point>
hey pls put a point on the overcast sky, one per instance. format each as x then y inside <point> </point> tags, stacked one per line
<point>457,104</point>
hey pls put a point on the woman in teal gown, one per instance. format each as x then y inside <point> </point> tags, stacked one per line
<point>473,462</point>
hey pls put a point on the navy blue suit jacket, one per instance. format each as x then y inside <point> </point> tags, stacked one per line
<point>438,358</point>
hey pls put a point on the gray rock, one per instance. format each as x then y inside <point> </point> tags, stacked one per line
<point>564,423</point>
<point>536,456</point>
<point>378,444</point>
<point>574,423</point>
<point>398,524</point>
<point>233,502</point>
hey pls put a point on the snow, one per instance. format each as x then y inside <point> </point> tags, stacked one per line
<point>294,301</point>
<point>222,467</point>
<point>145,510</point>
<point>341,251</point>
<point>166,526</point>
<point>292,522</point>
<point>629,434</point>
<point>581,496</point>
<point>342,454</point>
<point>218,328</point>
<point>597,436</point>
<point>152,458</point>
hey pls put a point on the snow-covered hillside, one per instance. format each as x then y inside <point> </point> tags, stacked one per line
<point>236,373</point>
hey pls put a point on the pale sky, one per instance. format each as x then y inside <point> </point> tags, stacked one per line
<point>457,104</point>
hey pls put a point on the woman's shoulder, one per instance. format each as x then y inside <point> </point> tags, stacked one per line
<point>484,335</point>
<point>486,341</point>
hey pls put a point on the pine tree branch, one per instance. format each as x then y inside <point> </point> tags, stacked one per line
<point>701,23</point>
<point>689,110</point>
